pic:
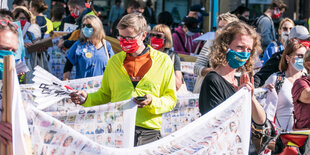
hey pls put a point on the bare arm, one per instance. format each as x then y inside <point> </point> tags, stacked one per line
<point>305,96</point>
<point>178,79</point>
<point>258,113</point>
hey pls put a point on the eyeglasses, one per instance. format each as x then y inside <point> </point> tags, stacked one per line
<point>87,25</point>
<point>8,23</point>
<point>157,35</point>
<point>127,38</point>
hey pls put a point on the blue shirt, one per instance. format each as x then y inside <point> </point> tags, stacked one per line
<point>88,60</point>
<point>271,50</point>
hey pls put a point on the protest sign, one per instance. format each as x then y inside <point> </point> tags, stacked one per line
<point>268,99</point>
<point>69,27</point>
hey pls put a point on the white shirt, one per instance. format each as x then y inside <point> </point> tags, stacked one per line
<point>285,107</point>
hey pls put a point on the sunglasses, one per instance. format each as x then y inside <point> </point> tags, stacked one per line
<point>87,25</point>
<point>157,35</point>
<point>128,38</point>
<point>8,23</point>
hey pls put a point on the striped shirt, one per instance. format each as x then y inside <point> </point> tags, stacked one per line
<point>203,59</point>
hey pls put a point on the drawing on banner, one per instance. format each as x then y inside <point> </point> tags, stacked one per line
<point>187,67</point>
<point>190,80</point>
<point>224,130</point>
<point>57,61</point>
<point>69,27</point>
<point>185,111</point>
<point>103,125</point>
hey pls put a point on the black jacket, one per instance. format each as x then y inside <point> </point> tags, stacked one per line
<point>270,67</point>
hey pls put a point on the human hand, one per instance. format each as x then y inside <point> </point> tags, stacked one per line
<point>270,87</point>
<point>60,43</point>
<point>78,97</point>
<point>145,102</point>
<point>5,132</point>
<point>245,82</point>
<point>27,44</point>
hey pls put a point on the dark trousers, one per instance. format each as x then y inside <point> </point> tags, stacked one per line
<point>144,136</point>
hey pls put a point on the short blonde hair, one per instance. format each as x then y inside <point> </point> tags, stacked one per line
<point>95,22</point>
<point>167,32</point>
<point>307,59</point>
<point>227,17</point>
<point>133,20</point>
<point>225,38</point>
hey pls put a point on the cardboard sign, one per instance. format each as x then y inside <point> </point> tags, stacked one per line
<point>40,44</point>
<point>69,27</point>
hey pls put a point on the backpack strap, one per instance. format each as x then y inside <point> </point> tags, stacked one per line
<point>182,42</point>
<point>279,81</point>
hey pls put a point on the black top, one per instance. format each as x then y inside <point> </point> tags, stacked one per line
<point>270,67</point>
<point>214,90</point>
<point>177,60</point>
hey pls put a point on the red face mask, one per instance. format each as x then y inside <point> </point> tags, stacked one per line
<point>74,15</point>
<point>129,46</point>
<point>306,43</point>
<point>87,5</point>
<point>277,14</point>
<point>157,43</point>
<point>23,23</point>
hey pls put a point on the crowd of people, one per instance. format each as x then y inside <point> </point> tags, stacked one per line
<point>148,69</point>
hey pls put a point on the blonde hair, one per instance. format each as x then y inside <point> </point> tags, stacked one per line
<point>290,48</point>
<point>133,20</point>
<point>307,59</point>
<point>21,9</point>
<point>167,32</point>
<point>286,20</point>
<point>98,34</point>
<point>227,17</point>
<point>225,38</point>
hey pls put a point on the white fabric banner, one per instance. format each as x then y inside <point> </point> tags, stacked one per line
<point>185,111</point>
<point>268,99</point>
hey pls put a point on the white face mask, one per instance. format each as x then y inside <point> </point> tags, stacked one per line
<point>284,36</point>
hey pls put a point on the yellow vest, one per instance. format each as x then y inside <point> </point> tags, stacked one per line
<point>56,25</point>
<point>159,82</point>
<point>49,25</point>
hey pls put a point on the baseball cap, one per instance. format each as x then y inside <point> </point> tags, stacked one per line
<point>199,8</point>
<point>191,23</point>
<point>299,32</point>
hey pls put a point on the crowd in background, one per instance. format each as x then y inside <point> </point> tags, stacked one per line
<point>243,53</point>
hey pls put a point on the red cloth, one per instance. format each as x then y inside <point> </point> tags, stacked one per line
<point>301,110</point>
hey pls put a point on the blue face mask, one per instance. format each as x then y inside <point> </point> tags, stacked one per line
<point>298,65</point>
<point>2,54</point>
<point>88,32</point>
<point>237,59</point>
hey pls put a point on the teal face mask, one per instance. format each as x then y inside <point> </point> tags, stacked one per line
<point>237,59</point>
<point>88,32</point>
<point>2,54</point>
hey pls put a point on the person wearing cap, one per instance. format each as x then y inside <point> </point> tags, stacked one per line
<point>184,35</point>
<point>298,33</point>
<point>197,11</point>
<point>291,68</point>
<point>265,25</point>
